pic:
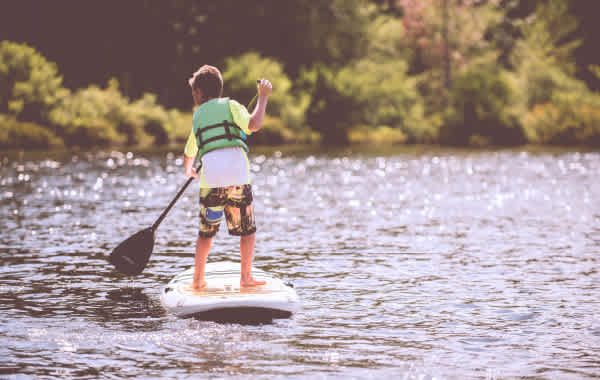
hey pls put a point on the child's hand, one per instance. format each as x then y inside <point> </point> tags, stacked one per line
<point>191,172</point>
<point>264,88</point>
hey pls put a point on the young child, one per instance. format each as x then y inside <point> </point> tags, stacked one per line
<point>218,136</point>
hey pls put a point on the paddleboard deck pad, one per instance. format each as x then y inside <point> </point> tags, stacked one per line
<point>224,300</point>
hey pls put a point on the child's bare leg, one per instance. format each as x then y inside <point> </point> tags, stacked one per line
<point>202,249</point>
<point>247,254</point>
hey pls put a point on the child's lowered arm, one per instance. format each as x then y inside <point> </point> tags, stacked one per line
<point>188,163</point>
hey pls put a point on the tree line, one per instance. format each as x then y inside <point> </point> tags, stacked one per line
<point>456,72</point>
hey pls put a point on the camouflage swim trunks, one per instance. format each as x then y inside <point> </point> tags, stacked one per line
<point>233,201</point>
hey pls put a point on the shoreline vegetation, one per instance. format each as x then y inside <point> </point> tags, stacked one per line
<point>408,80</point>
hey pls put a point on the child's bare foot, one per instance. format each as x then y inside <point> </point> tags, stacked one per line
<point>198,285</point>
<point>244,283</point>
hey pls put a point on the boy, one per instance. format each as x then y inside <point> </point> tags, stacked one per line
<point>220,126</point>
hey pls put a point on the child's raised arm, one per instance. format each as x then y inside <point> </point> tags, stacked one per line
<point>264,88</point>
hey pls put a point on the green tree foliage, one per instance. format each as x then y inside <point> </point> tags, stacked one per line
<point>548,36</point>
<point>92,116</point>
<point>447,38</point>
<point>96,116</point>
<point>154,119</point>
<point>404,68</point>
<point>479,111</point>
<point>542,57</point>
<point>374,91</point>
<point>387,40</point>
<point>29,84</point>
<point>151,46</point>
<point>555,107</point>
<point>365,93</point>
<point>569,119</point>
<point>383,95</point>
<point>328,111</point>
<point>586,55</point>
<point>466,23</point>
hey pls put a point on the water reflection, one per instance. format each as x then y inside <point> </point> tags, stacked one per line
<point>131,308</point>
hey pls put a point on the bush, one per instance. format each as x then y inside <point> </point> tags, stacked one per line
<point>327,111</point>
<point>179,125</point>
<point>153,118</point>
<point>272,132</point>
<point>570,119</point>
<point>379,135</point>
<point>555,107</point>
<point>96,116</point>
<point>387,39</point>
<point>29,84</point>
<point>17,134</point>
<point>31,90</point>
<point>480,111</point>
<point>543,82</point>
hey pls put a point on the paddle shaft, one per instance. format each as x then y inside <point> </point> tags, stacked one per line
<point>170,206</point>
<point>255,95</point>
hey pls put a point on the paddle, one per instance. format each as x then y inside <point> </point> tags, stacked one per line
<point>131,256</point>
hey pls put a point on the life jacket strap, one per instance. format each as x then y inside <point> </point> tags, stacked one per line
<point>228,135</point>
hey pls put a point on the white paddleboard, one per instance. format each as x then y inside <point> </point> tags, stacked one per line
<point>223,298</point>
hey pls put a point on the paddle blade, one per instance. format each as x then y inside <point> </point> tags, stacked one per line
<point>131,256</point>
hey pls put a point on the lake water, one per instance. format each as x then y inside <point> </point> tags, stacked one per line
<point>411,263</point>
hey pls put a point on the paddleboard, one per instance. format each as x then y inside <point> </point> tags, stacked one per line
<point>224,299</point>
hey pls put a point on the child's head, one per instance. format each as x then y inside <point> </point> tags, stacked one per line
<point>209,81</point>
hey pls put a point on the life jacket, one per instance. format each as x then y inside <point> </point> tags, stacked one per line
<point>215,128</point>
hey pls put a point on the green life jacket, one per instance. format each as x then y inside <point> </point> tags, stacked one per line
<point>214,127</point>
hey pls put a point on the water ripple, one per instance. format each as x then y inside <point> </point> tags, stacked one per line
<point>411,263</point>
